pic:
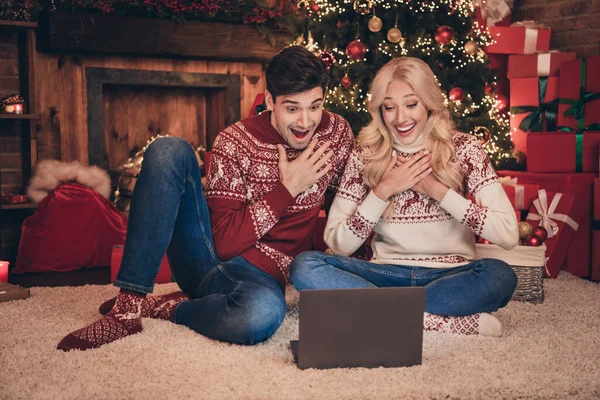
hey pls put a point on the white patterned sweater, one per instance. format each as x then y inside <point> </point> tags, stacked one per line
<point>416,230</point>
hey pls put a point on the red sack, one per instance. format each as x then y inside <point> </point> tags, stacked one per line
<point>74,227</point>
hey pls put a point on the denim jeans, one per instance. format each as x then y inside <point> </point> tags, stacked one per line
<point>483,285</point>
<point>232,301</point>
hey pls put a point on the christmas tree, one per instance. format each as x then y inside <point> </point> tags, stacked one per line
<point>357,37</point>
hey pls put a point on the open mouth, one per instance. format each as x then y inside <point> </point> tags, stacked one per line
<point>406,130</point>
<point>300,134</point>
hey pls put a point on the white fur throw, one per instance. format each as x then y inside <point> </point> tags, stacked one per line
<point>50,174</point>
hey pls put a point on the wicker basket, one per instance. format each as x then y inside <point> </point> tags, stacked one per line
<point>528,262</point>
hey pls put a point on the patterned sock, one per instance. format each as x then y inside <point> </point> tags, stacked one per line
<point>160,307</point>
<point>123,320</point>
<point>483,324</point>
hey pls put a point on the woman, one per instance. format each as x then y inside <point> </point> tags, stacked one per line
<point>407,182</point>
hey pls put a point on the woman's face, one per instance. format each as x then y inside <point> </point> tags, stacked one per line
<point>404,114</point>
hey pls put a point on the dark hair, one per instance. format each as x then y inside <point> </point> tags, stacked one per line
<point>295,70</point>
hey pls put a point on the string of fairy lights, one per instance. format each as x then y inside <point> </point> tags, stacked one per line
<point>463,52</point>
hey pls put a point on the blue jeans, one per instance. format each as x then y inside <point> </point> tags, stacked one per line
<point>483,285</point>
<point>232,301</point>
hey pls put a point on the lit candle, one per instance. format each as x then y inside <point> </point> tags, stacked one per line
<point>18,108</point>
<point>4,271</point>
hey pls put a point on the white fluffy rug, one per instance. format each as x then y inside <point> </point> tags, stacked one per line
<point>549,351</point>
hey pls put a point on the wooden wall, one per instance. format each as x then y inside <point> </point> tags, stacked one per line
<point>61,100</point>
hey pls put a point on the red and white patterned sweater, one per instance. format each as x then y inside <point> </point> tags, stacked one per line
<point>414,229</point>
<point>252,213</point>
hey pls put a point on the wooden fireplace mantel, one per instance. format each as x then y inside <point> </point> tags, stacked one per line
<point>116,35</point>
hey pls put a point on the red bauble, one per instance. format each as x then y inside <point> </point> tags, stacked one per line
<point>532,240</point>
<point>327,58</point>
<point>456,94</point>
<point>443,35</point>
<point>483,241</point>
<point>490,88</point>
<point>356,50</point>
<point>540,232</point>
<point>346,82</point>
<point>314,7</point>
<point>501,102</point>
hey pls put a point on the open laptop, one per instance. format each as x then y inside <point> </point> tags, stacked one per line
<point>375,327</point>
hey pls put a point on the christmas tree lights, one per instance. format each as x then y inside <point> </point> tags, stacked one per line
<point>363,35</point>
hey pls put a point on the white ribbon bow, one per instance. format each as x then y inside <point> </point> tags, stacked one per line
<point>494,10</point>
<point>547,216</point>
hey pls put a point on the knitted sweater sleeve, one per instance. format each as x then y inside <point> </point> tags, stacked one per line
<point>355,210</point>
<point>236,225</point>
<point>339,160</point>
<point>491,216</point>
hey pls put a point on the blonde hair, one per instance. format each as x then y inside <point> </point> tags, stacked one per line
<point>377,139</point>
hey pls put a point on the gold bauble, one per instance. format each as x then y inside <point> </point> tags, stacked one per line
<point>471,47</point>
<point>394,35</point>
<point>483,134</point>
<point>363,7</point>
<point>375,24</point>
<point>525,229</point>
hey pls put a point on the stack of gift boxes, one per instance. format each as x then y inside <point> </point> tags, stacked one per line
<point>555,122</point>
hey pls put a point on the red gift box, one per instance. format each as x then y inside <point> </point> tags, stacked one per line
<point>543,64</point>
<point>596,233</point>
<point>579,186</point>
<point>521,196</point>
<point>559,152</point>
<point>526,111</point>
<point>519,40</point>
<point>579,93</point>
<point>551,210</point>
<point>164,273</point>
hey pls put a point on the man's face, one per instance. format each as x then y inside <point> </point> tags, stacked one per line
<point>297,115</point>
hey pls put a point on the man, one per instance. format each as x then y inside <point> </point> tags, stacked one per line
<point>268,178</point>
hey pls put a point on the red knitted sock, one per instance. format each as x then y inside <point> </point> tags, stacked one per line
<point>160,307</point>
<point>123,320</point>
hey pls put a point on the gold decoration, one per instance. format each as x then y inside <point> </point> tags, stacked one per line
<point>131,169</point>
<point>471,47</point>
<point>363,7</point>
<point>483,134</point>
<point>525,229</point>
<point>8,103</point>
<point>394,35</point>
<point>375,24</point>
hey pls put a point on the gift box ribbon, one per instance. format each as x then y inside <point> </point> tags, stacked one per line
<point>519,191</point>
<point>578,105</point>
<point>579,142</point>
<point>548,216</point>
<point>533,122</point>
<point>495,10</point>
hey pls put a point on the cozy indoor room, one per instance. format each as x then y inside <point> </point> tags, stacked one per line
<point>86,87</point>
